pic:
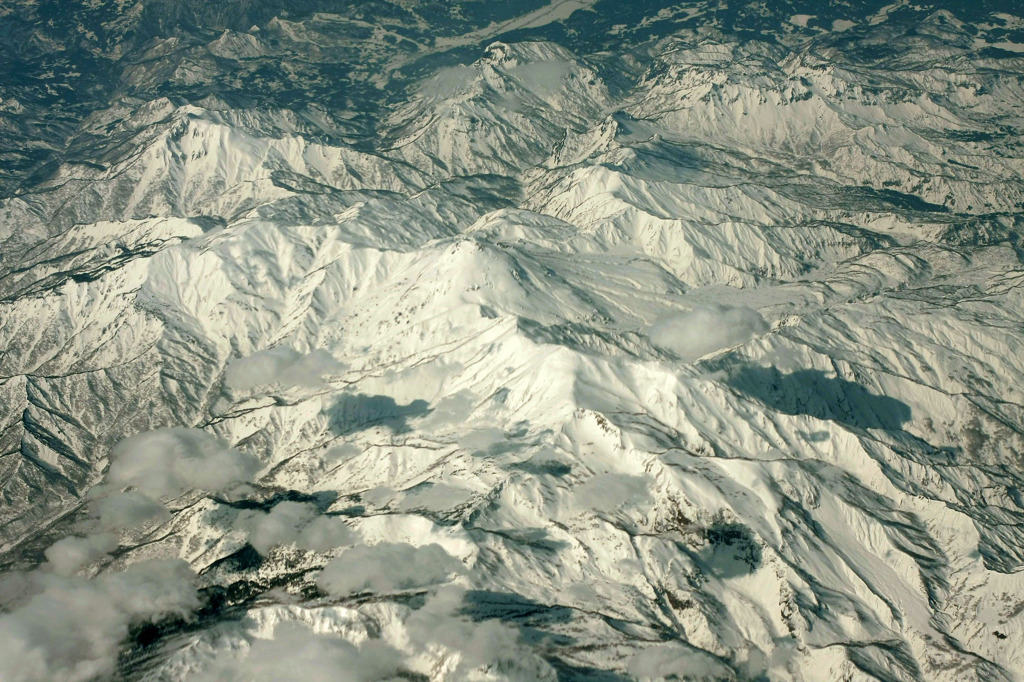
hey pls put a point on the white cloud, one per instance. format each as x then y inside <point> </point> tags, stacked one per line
<point>339,453</point>
<point>480,440</point>
<point>452,409</point>
<point>279,526</point>
<point>69,554</point>
<point>548,461</point>
<point>297,523</point>
<point>72,628</point>
<point>388,567</point>
<point>15,588</point>
<point>612,492</point>
<point>295,653</point>
<point>151,588</point>
<point>168,461</point>
<point>489,643</point>
<point>477,643</point>
<point>124,511</point>
<point>707,328</point>
<point>436,637</point>
<point>661,661</point>
<point>325,533</point>
<point>281,366</point>
<point>378,496</point>
<point>434,497</point>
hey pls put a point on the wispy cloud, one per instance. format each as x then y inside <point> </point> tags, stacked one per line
<point>168,461</point>
<point>295,652</point>
<point>707,328</point>
<point>67,555</point>
<point>388,567</point>
<point>662,661</point>
<point>297,523</point>
<point>127,510</point>
<point>281,366</point>
<point>71,628</point>
<point>612,492</point>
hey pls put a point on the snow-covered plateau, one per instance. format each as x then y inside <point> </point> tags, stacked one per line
<point>580,340</point>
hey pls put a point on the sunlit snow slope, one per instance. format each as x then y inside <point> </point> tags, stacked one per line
<point>544,343</point>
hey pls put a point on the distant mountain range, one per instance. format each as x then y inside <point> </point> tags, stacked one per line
<point>581,340</point>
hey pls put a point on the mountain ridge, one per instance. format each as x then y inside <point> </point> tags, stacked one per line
<point>713,374</point>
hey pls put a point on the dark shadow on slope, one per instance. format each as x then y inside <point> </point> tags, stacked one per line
<point>509,607</point>
<point>999,545</point>
<point>732,550</point>
<point>567,672</point>
<point>245,559</point>
<point>220,603</point>
<point>543,467</point>
<point>352,413</point>
<point>891,198</point>
<point>323,499</point>
<point>525,539</point>
<point>585,338</point>
<point>813,393</point>
<point>880,659</point>
<point>532,619</point>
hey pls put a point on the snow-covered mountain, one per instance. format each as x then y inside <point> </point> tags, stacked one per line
<point>549,341</point>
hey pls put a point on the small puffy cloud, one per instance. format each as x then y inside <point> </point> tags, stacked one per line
<point>612,492</point>
<point>378,496</point>
<point>152,588</point>
<point>15,588</point>
<point>124,511</point>
<point>663,661</point>
<point>67,632</point>
<point>340,453</point>
<point>67,555</point>
<point>388,567</point>
<point>295,653</point>
<point>325,533</point>
<point>169,461</point>
<point>434,497</point>
<point>478,644</point>
<point>707,328</point>
<point>452,410</point>
<point>279,526</point>
<point>437,636</point>
<point>548,461</point>
<point>72,628</point>
<point>297,523</point>
<point>481,440</point>
<point>281,366</point>
<point>490,643</point>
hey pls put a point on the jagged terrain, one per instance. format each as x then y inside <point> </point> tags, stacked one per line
<point>443,341</point>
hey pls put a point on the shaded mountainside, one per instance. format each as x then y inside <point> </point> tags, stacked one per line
<point>570,340</point>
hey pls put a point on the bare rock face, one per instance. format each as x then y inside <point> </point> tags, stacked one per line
<point>571,340</point>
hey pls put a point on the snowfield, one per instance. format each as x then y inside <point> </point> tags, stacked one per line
<point>699,360</point>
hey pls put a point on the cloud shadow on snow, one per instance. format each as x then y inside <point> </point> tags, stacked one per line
<point>352,413</point>
<point>512,608</point>
<point>532,618</point>
<point>813,393</point>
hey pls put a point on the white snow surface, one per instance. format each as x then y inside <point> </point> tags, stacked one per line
<point>717,376</point>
